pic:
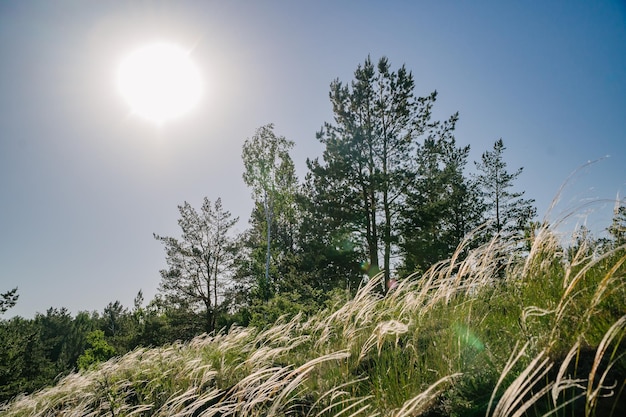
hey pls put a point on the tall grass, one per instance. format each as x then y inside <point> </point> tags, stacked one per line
<point>544,338</point>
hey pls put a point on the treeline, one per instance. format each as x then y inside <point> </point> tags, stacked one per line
<point>391,194</point>
<point>34,353</point>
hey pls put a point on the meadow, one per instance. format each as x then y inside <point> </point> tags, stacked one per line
<point>492,331</point>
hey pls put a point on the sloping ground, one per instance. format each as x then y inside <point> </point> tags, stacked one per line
<point>545,339</point>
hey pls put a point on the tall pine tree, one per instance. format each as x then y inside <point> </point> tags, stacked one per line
<point>507,212</point>
<point>361,182</point>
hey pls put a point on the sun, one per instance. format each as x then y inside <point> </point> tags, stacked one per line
<point>159,82</point>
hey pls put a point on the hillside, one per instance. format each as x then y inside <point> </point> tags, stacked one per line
<point>544,337</point>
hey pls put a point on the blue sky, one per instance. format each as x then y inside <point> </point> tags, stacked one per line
<point>83,185</point>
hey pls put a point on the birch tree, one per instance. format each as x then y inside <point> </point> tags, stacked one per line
<point>270,173</point>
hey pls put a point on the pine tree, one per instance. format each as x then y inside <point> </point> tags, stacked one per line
<point>617,230</point>
<point>442,205</point>
<point>8,299</point>
<point>366,168</point>
<point>201,261</point>
<point>507,212</point>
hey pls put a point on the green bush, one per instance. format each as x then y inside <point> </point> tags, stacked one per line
<point>98,351</point>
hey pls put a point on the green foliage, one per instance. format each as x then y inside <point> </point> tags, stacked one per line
<point>63,337</point>
<point>285,305</point>
<point>8,300</point>
<point>617,230</point>
<point>369,156</point>
<point>24,366</point>
<point>442,206</point>
<point>329,255</point>
<point>98,350</point>
<point>201,262</point>
<point>270,172</point>
<point>35,353</point>
<point>458,340</point>
<point>507,211</point>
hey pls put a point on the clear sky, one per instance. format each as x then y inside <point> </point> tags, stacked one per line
<point>84,184</point>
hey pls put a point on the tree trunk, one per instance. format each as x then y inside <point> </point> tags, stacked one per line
<point>268,220</point>
<point>387,238</point>
<point>373,244</point>
<point>386,206</point>
<point>215,271</point>
<point>210,318</point>
<point>373,182</point>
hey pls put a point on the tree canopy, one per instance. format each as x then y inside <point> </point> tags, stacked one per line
<point>270,173</point>
<point>201,261</point>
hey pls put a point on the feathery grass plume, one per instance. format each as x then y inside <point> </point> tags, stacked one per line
<point>614,335</point>
<point>331,395</point>
<point>563,383</point>
<point>418,404</point>
<point>611,282</point>
<point>519,397</point>
<point>586,288</point>
<point>197,405</point>
<point>391,327</point>
<point>297,376</point>
<point>343,406</point>
<point>461,275</point>
<point>513,359</point>
<point>353,317</point>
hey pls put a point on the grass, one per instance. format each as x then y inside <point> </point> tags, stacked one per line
<point>544,338</point>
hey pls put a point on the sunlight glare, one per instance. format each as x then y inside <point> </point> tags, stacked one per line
<point>159,82</point>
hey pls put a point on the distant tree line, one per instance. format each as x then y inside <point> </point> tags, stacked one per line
<point>391,194</point>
